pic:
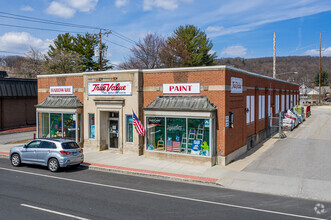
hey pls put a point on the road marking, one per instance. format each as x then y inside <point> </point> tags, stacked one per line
<point>164,195</point>
<point>54,212</point>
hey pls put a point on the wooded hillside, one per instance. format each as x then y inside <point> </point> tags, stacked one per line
<point>306,66</point>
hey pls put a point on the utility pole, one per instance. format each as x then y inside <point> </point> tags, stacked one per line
<point>320,70</point>
<point>274,63</point>
<point>100,45</point>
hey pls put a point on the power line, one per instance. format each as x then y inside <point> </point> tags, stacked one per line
<point>117,44</point>
<point>121,35</point>
<point>43,29</point>
<point>33,19</point>
<point>3,51</point>
<point>45,21</point>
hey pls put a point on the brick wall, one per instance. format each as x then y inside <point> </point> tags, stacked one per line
<point>228,139</point>
<point>75,81</point>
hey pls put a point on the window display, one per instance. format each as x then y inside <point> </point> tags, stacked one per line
<point>59,125</point>
<point>198,138</point>
<point>44,129</point>
<point>91,124</point>
<point>156,133</point>
<point>129,129</point>
<point>176,132</point>
<point>179,135</point>
<point>56,125</point>
<point>69,126</point>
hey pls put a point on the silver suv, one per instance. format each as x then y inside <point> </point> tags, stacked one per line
<point>53,153</point>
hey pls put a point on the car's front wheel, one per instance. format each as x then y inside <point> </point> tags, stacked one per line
<point>53,165</point>
<point>15,160</point>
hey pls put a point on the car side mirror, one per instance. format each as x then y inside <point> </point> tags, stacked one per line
<point>25,146</point>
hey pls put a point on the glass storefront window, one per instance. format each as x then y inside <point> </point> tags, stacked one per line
<point>198,137</point>
<point>69,126</point>
<point>44,129</point>
<point>179,135</point>
<point>176,135</point>
<point>156,133</point>
<point>129,129</point>
<point>56,125</point>
<point>91,125</point>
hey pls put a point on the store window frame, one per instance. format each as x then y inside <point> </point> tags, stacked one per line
<point>211,138</point>
<point>89,126</point>
<point>49,121</point>
<point>127,127</point>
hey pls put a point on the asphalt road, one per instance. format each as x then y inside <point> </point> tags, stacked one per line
<point>305,153</point>
<point>21,136</point>
<point>32,192</point>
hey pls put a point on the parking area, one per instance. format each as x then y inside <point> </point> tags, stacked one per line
<point>305,153</point>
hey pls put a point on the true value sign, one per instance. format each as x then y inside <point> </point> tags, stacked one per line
<point>236,85</point>
<point>110,88</point>
<point>181,88</point>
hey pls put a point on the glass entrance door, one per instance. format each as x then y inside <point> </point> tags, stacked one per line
<point>113,130</point>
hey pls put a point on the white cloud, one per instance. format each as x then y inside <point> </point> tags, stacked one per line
<point>68,8</point>
<point>82,5</point>
<point>60,10</point>
<point>22,41</point>
<point>243,15</point>
<point>171,5</point>
<point>121,3</point>
<point>316,52</point>
<point>212,29</point>
<point>234,51</point>
<point>27,8</point>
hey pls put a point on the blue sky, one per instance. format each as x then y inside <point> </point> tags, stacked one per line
<point>237,28</point>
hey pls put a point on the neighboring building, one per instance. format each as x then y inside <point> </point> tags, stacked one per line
<point>17,100</point>
<point>205,115</point>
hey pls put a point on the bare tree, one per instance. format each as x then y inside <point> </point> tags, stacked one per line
<point>32,65</point>
<point>145,54</point>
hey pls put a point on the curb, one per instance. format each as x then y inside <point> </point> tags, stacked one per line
<point>19,130</point>
<point>144,173</point>
<point>151,174</point>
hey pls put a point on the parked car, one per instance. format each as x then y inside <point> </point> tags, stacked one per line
<point>53,153</point>
<point>327,99</point>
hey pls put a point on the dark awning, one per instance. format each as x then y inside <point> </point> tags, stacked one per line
<point>60,102</point>
<point>181,103</point>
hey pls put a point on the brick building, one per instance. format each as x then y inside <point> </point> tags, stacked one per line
<point>205,115</point>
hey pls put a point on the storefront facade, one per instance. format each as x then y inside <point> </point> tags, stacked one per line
<point>197,115</point>
<point>92,108</point>
<point>109,100</point>
<point>240,103</point>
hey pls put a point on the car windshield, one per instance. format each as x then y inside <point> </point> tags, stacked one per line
<point>69,145</point>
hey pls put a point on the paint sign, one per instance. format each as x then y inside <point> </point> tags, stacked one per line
<point>61,90</point>
<point>110,88</point>
<point>236,85</point>
<point>181,88</point>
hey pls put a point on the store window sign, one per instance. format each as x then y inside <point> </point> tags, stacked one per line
<point>236,85</point>
<point>110,88</point>
<point>61,90</point>
<point>181,88</point>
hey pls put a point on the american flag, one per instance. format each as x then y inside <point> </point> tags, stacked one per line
<point>138,125</point>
